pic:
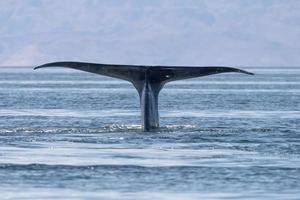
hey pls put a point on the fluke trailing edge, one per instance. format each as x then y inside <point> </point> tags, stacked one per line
<point>148,81</point>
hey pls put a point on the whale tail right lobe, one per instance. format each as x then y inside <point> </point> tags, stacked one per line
<point>148,80</point>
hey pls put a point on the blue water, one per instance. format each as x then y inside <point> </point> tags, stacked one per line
<point>66,134</point>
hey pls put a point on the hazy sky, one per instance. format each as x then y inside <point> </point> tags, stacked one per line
<point>174,32</point>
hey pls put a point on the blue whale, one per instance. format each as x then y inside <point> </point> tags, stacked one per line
<point>148,81</point>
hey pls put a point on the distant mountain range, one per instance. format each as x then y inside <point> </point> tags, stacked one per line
<point>154,32</point>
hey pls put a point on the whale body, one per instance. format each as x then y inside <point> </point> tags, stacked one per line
<point>148,81</point>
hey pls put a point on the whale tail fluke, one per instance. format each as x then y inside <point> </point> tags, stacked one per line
<point>148,80</point>
<point>136,73</point>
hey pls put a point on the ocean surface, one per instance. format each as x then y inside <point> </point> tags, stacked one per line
<point>66,134</point>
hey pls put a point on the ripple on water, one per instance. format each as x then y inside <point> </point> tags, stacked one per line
<point>75,135</point>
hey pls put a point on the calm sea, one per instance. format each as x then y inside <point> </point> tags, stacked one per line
<point>66,134</point>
